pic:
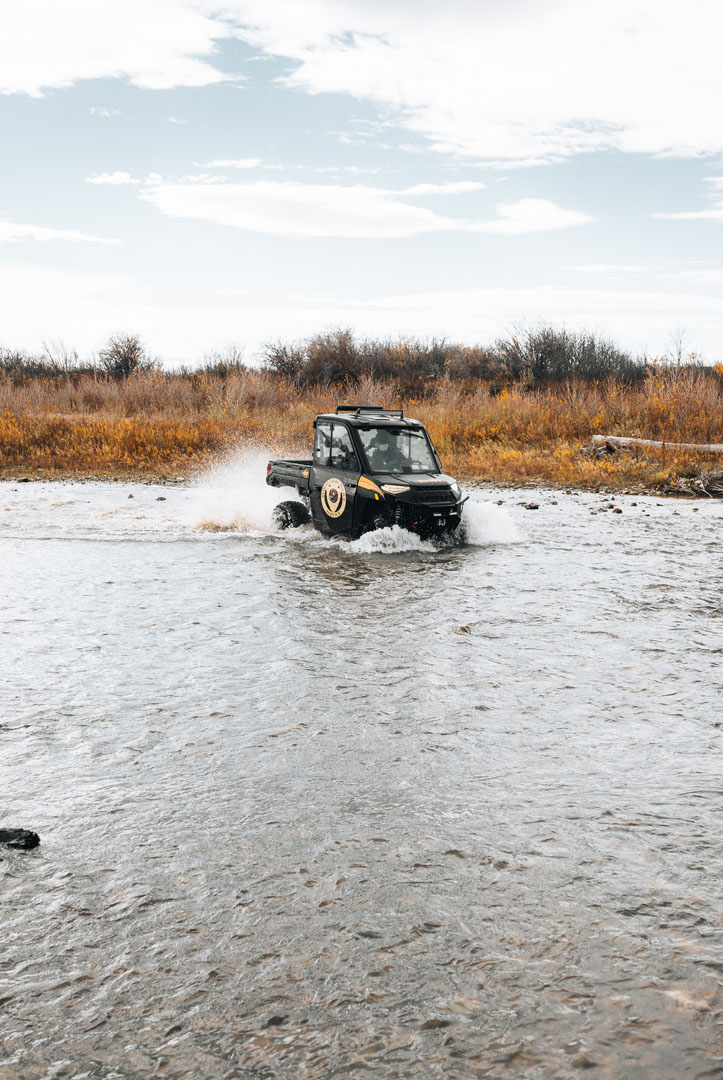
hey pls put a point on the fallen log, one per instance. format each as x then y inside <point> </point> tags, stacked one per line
<point>617,442</point>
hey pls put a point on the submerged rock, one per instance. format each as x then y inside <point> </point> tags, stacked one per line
<point>19,838</point>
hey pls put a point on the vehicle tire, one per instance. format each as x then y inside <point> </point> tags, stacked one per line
<point>289,515</point>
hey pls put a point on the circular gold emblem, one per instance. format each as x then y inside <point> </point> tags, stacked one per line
<point>333,498</point>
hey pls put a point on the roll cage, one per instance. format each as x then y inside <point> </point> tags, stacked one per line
<point>343,445</point>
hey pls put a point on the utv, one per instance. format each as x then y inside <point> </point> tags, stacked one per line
<point>371,468</point>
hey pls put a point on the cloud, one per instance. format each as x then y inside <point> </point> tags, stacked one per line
<point>714,211</point>
<point>461,187</point>
<point>293,209</point>
<point>611,268</point>
<point>700,277</point>
<point>234,163</point>
<point>493,81</point>
<point>11,233</point>
<point>530,215</point>
<point>46,44</point>
<point>329,210</point>
<point>507,83</point>
<point>113,178</point>
<point>100,110</point>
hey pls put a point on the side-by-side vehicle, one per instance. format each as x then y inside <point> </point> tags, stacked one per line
<point>372,467</point>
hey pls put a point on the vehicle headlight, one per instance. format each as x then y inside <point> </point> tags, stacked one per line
<point>395,489</point>
<point>456,490</point>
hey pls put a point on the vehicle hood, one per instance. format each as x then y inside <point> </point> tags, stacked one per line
<point>414,480</point>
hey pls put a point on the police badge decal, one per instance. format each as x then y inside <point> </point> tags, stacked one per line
<point>333,498</point>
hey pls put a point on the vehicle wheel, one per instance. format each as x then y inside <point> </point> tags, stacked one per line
<point>289,515</point>
<point>379,522</point>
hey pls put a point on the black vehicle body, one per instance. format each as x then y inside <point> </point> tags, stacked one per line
<point>353,485</point>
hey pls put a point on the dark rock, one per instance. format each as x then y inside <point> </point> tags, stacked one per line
<point>19,838</point>
<point>531,506</point>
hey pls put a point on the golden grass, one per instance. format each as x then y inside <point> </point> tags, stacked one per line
<point>160,424</point>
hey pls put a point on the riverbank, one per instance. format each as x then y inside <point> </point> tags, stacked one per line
<point>163,427</point>
<point>80,455</point>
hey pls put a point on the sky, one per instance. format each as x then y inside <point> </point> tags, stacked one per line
<point>208,173</point>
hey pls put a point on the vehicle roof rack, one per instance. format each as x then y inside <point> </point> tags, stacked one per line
<point>358,409</point>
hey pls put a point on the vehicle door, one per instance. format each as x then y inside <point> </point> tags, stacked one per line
<point>336,471</point>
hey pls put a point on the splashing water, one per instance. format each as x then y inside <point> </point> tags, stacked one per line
<point>390,541</point>
<point>235,496</point>
<point>484,522</point>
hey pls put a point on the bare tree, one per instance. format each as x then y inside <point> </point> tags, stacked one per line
<point>123,354</point>
<point>60,357</point>
<point>679,345</point>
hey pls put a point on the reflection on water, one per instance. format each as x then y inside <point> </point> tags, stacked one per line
<point>313,808</point>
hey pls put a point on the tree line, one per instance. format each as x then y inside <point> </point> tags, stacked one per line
<point>535,356</point>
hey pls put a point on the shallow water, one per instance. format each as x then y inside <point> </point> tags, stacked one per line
<point>311,808</point>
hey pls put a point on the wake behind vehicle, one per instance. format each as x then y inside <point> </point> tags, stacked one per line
<point>371,468</point>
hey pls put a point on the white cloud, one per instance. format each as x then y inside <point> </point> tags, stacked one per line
<point>45,44</point>
<point>175,120</point>
<point>611,268</point>
<point>10,233</point>
<point>293,209</point>
<point>713,213</point>
<point>112,179</point>
<point>460,187</point>
<point>700,277</point>
<point>514,81</point>
<point>234,163</point>
<point>510,82</point>
<point>329,210</point>
<point>100,110</point>
<point>530,215</point>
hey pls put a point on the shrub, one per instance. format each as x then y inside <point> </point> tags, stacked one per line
<point>122,355</point>
<point>547,355</point>
<point>285,360</point>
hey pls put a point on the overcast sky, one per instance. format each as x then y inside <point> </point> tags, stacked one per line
<point>204,172</point>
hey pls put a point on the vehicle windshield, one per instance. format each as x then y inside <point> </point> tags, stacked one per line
<point>404,450</point>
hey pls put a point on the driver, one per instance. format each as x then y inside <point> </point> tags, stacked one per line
<point>384,454</point>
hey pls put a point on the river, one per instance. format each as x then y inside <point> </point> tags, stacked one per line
<point>313,808</point>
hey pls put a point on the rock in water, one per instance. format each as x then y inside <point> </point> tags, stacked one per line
<point>19,838</point>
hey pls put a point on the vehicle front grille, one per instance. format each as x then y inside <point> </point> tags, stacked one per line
<point>430,496</point>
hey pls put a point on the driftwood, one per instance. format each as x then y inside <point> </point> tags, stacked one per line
<point>708,483</point>
<point>616,442</point>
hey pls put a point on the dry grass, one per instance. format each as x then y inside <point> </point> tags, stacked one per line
<point>163,424</point>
